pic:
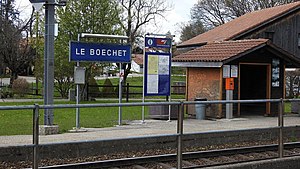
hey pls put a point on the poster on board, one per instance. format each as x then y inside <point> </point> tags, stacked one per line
<point>157,74</point>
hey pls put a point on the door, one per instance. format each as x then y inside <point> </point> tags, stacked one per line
<point>254,83</point>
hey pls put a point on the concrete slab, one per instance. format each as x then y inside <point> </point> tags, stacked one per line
<point>153,127</point>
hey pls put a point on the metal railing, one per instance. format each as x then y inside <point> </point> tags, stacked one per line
<point>129,91</point>
<point>36,108</point>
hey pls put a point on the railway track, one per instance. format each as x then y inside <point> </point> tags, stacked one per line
<point>199,159</point>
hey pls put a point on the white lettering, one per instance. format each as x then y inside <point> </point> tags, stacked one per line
<point>108,52</point>
<point>124,52</point>
<point>103,52</point>
<point>98,52</point>
<point>80,51</point>
<point>92,52</point>
<point>115,52</point>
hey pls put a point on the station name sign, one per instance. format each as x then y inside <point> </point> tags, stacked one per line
<point>95,52</point>
<point>37,1</point>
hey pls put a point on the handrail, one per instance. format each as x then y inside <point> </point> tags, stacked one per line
<point>179,133</point>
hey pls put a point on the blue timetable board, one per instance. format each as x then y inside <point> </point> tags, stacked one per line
<point>95,52</point>
<point>157,74</point>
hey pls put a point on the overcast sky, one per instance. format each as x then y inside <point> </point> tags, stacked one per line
<point>180,13</point>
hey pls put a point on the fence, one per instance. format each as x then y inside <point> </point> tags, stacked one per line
<point>36,110</point>
<point>6,91</point>
<point>128,90</point>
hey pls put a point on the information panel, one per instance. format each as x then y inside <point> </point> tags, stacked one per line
<point>158,42</point>
<point>115,53</point>
<point>157,74</point>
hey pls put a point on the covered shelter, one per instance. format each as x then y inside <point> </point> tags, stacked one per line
<point>260,74</point>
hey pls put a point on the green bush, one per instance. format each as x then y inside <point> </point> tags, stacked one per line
<point>108,90</point>
<point>20,87</point>
<point>93,91</point>
<point>5,92</point>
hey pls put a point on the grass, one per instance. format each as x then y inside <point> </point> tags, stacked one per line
<point>287,107</point>
<point>19,122</point>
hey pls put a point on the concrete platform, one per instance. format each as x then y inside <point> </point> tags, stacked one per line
<point>152,128</point>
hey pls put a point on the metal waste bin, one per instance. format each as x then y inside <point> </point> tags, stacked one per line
<point>200,109</point>
<point>295,108</point>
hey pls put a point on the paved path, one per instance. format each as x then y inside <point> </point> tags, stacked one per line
<point>154,127</point>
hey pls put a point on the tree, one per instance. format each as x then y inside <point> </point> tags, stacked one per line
<point>16,53</point>
<point>137,13</point>
<point>81,16</point>
<point>191,30</point>
<point>293,83</point>
<point>213,13</point>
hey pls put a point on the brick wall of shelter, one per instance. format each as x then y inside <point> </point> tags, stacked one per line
<point>204,83</point>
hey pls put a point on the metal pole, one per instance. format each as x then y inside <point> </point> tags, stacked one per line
<point>143,99</point>
<point>120,94</point>
<point>35,136</point>
<point>36,42</point>
<point>77,97</point>
<point>229,96</point>
<point>170,98</point>
<point>49,60</point>
<point>179,135</point>
<point>77,102</point>
<point>127,92</point>
<point>280,124</point>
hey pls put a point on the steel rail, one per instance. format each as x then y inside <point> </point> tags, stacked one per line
<point>54,106</point>
<point>181,104</point>
<point>172,157</point>
<point>138,104</point>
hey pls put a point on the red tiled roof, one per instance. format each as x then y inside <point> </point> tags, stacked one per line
<point>220,51</point>
<point>138,58</point>
<point>245,23</point>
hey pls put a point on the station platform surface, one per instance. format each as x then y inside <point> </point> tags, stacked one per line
<point>152,127</point>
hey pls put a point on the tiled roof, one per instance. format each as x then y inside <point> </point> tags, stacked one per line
<point>245,23</point>
<point>138,58</point>
<point>220,51</point>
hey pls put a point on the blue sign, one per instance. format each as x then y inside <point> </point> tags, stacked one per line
<point>158,42</point>
<point>94,52</point>
<point>157,74</point>
<point>37,1</point>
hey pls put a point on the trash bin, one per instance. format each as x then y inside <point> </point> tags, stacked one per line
<point>200,109</point>
<point>295,108</point>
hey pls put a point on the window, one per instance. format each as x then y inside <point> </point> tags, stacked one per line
<point>269,35</point>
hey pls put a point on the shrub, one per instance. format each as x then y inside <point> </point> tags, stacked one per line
<point>20,87</point>
<point>108,90</point>
<point>93,91</point>
<point>5,92</point>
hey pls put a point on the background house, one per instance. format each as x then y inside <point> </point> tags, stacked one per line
<point>279,24</point>
<point>137,63</point>
<point>260,62</point>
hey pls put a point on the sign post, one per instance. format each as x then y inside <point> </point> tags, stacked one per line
<point>229,73</point>
<point>157,67</point>
<point>48,54</point>
<point>95,52</point>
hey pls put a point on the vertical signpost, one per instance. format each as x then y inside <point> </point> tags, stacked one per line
<point>229,73</point>
<point>157,67</point>
<point>95,52</point>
